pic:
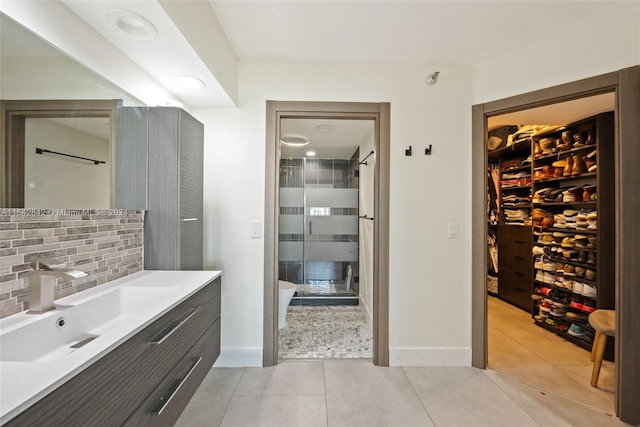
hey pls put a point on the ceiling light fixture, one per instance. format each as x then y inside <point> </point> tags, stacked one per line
<point>433,78</point>
<point>294,140</point>
<point>132,24</point>
<point>189,82</point>
<point>325,128</point>
<point>310,153</point>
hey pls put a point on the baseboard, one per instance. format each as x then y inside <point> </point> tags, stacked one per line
<point>430,356</point>
<point>239,358</point>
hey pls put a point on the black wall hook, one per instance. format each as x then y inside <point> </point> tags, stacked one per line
<point>408,152</point>
<point>427,151</point>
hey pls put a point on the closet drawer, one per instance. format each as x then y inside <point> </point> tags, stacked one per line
<point>165,403</point>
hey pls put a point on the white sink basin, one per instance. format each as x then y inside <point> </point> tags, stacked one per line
<point>75,323</point>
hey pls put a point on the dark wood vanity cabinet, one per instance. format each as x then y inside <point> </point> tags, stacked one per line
<point>147,380</point>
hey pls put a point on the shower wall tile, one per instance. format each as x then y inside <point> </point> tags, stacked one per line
<point>106,244</point>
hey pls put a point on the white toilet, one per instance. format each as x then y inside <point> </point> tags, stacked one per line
<point>285,291</point>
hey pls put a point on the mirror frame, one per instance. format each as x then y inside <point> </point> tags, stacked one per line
<point>13,114</point>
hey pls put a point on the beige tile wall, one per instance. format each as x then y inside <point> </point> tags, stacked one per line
<point>107,244</point>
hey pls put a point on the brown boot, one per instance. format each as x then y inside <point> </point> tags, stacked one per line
<point>568,167</point>
<point>578,167</point>
<point>590,163</point>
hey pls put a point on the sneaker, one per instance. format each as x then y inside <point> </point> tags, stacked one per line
<point>581,241</point>
<point>548,265</point>
<point>568,242</point>
<point>590,275</point>
<point>538,263</point>
<point>582,257</point>
<point>591,259</point>
<point>589,291</point>
<point>589,306</point>
<point>577,302</point>
<point>545,306</point>
<point>593,242</point>
<point>577,317</point>
<point>577,288</point>
<point>539,276</point>
<point>550,321</point>
<point>569,270</point>
<point>549,278</point>
<point>580,271</point>
<point>575,330</point>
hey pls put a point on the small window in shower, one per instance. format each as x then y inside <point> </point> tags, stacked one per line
<point>320,211</point>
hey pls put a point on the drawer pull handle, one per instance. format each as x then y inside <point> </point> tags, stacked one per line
<point>174,326</point>
<point>189,219</point>
<point>172,390</point>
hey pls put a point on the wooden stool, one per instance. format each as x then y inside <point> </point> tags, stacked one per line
<point>604,322</point>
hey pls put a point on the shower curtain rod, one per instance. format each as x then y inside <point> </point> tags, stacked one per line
<point>363,162</point>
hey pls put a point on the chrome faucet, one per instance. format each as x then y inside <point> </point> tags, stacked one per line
<point>42,280</point>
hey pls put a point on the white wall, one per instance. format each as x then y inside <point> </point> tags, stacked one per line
<point>598,48</point>
<point>429,273</point>
<point>365,228</point>
<point>430,290</point>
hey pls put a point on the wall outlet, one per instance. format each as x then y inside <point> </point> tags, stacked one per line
<point>256,229</point>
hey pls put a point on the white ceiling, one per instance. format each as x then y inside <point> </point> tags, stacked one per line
<point>341,143</point>
<point>422,31</point>
<point>462,32</point>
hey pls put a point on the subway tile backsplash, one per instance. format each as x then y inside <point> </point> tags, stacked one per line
<point>105,243</point>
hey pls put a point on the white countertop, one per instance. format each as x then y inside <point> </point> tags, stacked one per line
<point>24,383</point>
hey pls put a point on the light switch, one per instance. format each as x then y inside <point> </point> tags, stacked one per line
<point>453,230</point>
<point>256,229</point>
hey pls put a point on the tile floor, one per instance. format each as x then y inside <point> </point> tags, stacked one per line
<point>532,381</point>
<point>325,332</point>
<point>520,350</point>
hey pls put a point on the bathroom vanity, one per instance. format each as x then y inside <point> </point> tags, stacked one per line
<point>150,340</point>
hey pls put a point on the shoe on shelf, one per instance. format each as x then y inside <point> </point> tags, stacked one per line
<point>593,242</point>
<point>592,258</point>
<point>575,330</point>
<point>582,257</point>
<point>589,306</point>
<point>590,275</point>
<point>568,242</point>
<point>569,270</point>
<point>538,263</point>
<point>577,289</point>
<point>589,291</point>
<point>591,164</point>
<point>580,271</point>
<point>548,265</point>
<point>582,241</point>
<point>545,307</point>
<point>568,167</point>
<point>578,167</point>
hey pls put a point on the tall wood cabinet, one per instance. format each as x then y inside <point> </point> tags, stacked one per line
<point>159,168</point>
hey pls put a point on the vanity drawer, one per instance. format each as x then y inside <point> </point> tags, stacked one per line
<point>108,391</point>
<point>166,402</point>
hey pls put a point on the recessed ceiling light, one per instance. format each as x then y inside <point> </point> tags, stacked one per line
<point>189,82</point>
<point>310,153</point>
<point>325,128</point>
<point>132,24</point>
<point>294,140</point>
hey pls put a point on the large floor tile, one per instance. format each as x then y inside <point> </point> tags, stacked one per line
<point>549,409</point>
<point>458,396</point>
<point>209,404</point>
<point>360,394</point>
<point>280,411</point>
<point>286,379</point>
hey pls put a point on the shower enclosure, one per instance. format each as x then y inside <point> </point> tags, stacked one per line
<point>318,242</point>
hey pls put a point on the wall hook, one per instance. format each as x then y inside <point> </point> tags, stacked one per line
<point>408,152</point>
<point>427,151</point>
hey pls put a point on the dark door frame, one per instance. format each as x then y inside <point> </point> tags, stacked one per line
<point>625,84</point>
<point>13,114</point>
<point>380,114</point>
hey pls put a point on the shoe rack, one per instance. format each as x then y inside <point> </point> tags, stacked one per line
<point>556,224</point>
<point>573,226</point>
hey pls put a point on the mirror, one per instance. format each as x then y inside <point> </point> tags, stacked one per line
<point>75,104</point>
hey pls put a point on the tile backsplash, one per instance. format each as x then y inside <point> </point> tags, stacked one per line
<point>105,243</point>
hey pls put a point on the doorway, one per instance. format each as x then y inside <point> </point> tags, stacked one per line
<point>378,114</point>
<point>626,86</point>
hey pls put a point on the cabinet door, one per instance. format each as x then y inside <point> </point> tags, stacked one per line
<point>191,182</point>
